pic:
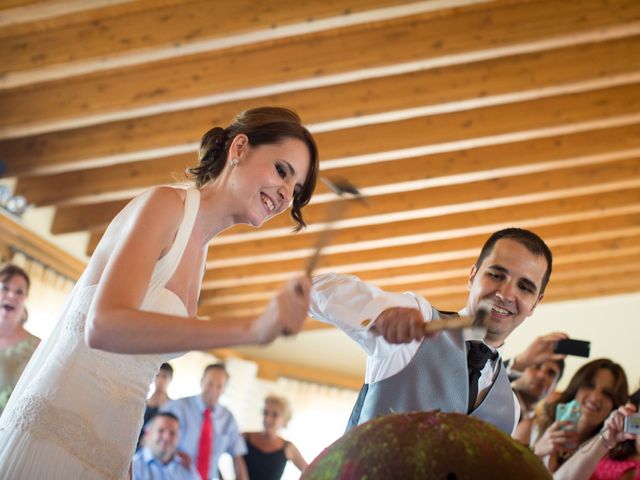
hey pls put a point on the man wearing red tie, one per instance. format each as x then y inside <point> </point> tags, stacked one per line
<point>207,429</point>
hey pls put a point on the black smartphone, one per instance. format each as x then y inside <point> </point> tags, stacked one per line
<point>579,348</point>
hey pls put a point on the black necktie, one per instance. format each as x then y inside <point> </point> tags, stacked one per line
<point>477,356</point>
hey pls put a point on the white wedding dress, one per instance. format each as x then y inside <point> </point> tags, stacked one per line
<point>76,412</point>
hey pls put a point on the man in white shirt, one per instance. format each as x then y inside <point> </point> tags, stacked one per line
<point>407,370</point>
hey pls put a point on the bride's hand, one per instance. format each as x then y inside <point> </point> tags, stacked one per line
<point>286,313</point>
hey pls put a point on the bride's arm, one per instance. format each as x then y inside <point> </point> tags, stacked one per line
<point>115,323</point>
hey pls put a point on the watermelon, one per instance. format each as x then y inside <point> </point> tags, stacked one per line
<point>425,445</point>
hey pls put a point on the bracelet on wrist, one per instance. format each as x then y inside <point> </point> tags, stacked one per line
<point>607,445</point>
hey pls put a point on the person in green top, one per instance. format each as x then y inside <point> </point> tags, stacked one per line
<point>16,343</point>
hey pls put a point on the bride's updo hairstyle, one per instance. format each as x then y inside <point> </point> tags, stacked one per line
<point>263,125</point>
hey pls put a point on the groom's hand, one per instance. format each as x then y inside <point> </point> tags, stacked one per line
<point>400,325</point>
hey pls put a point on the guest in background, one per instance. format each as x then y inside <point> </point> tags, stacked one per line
<point>535,385</point>
<point>158,458</point>
<point>599,387</point>
<point>610,455</point>
<point>268,453</point>
<point>16,344</point>
<point>207,429</point>
<point>535,374</point>
<point>159,396</point>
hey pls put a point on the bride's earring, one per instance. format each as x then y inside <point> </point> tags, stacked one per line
<point>234,162</point>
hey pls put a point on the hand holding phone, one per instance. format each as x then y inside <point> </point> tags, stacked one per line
<point>568,412</point>
<point>569,346</point>
<point>632,424</point>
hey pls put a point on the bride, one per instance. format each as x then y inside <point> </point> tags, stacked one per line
<point>78,408</point>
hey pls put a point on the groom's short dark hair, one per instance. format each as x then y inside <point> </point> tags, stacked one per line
<point>528,239</point>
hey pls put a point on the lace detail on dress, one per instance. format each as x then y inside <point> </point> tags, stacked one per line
<point>115,368</point>
<point>136,366</point>
<point>70,431</point>
<point>74,324</point>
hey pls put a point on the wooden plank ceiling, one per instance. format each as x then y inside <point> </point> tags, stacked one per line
<point>455,117</point>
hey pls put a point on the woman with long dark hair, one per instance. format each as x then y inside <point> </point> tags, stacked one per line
<point>613,454</point>
<point>598,387</point>
<point>78,408</point>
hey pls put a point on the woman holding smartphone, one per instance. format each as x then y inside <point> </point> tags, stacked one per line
<point>598,387</point>
<point>613,454</point>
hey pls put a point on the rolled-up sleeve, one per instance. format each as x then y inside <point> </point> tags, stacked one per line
<point>353,305</point>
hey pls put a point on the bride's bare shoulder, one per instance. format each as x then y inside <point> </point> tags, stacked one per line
<point>163,203</point>
<point>157,211</point>
<point>161,197</point>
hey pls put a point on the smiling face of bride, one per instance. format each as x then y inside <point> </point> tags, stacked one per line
<point>267,178</point>
<point>270,158</point>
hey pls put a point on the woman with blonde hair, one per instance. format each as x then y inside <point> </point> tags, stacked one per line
<point>268,453</point>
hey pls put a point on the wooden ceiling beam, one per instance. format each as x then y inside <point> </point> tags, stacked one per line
<point>495,192</point>
<point>14,236</point>
<point>94,238</point>
<point>548,188</point>
<point>118,181</point>
<point>420,251</point>
<point>507,79</point>
<point>597,252</point>
<point>592,206</point>
<point>455,298</point>
<point>104,183</point>
<point>433,271</point>
<point>521,118</point>
<point>561,275</point>
<point>428,130</point>
<point>23,17</point>
<point>92,216</point>
<point>416,37</point>
<point>595,279</point>
<point>108,33</point>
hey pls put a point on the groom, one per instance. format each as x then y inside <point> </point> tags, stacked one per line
<point>453,372</point>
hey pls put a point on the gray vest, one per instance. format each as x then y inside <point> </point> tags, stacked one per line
<point>436,378</point>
